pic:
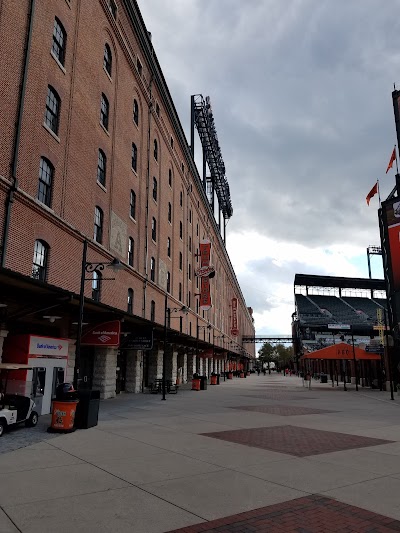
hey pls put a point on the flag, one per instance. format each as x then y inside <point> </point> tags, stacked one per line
<point>392,160</point>
<point>372,192</point>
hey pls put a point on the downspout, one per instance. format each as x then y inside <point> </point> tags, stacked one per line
<point>146,245</point>
<point>14,164</point>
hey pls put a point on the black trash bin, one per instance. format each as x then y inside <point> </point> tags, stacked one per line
<point>218,377</point>
<point>203,382</point>
<point>87,412</point>
<point>324,378</point>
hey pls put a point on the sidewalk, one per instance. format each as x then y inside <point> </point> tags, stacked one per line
<point>260,454</point>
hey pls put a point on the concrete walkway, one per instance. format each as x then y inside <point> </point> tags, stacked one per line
<point>254,454</point>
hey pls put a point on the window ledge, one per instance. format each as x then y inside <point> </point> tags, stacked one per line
<point>153,241</point>
<point>56,137</point>
<point>61,66</point>
<point>102,187</point>
<point>68,2</point>
<point>133,219</point>
<point>134,171</point>
<point>107,74</point>
<point>104,128</point>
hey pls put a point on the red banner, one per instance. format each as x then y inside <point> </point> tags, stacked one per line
<point>207,354</point>
<point>105,334</point>
<point>205,295</point>
<point>205,252</point>
<point>234,319</point>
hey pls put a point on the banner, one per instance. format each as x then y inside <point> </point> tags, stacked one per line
<point>234,319</point>
<point>105,334</point>
<point>205,293</point>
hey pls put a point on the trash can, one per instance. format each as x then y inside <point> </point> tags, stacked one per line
<point>63,409</point>
<point>213,379</point>
<point>203,382</point>
<point>87,413</point>
<point>324,378</point>
<point>218,378</point>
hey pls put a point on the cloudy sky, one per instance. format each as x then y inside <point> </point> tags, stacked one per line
<point>301,96</point>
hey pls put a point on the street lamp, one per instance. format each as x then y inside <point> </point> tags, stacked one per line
<point>88,267</point>
<point>167,314</point>
<point>221,337</point>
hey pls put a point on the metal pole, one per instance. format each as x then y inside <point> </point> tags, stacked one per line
<point>80,317</point>
<point>192,125</point>
<point>388,356</point>
<point>197,346</point>
<point>369,264</point>
<point>165,345</point>
<point>354,358</point>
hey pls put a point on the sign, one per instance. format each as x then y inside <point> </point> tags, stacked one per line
<point>339,326</point>
<point>205,292</point>
<point>142,339</point>
<point>207,354</point>
<point>106,334</point>
<point>205,272</point>
<point>234,319</point>
<point>48,347</point>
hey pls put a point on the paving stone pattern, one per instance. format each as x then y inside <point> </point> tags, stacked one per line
<point>297,441</point>
<point>282,410</point>
<point>312,514</point>
<point>20,436</point>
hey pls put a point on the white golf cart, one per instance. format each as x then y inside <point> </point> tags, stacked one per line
<point>15,408</point>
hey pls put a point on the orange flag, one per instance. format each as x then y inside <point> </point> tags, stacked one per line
<point>392,160</point>
<point>372,192</point>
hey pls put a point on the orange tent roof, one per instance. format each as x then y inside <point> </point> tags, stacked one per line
<point>342,351</point>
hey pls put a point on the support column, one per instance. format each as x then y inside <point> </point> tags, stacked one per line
<point>191,366</point>
<point>182,363</point>
<point>171,365</point>
<point>155,364</point>
<point>69,373</point>
<point>134,371</point>
<point>104,373</point>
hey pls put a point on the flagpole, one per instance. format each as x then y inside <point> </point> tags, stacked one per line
<point>379,192</point>
<point>397,167</point>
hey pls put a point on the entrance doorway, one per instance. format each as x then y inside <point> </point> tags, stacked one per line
<point>121,372</point>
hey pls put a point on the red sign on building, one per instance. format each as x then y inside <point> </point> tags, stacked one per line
<point>205,294</point>
<point>234,320</point>
<point>106,334</point>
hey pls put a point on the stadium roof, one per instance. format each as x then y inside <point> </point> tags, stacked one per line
<point>334,281</point>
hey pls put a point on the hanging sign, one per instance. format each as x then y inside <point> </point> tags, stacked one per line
<point>205,293</point>
<point>105,334</point>
<point>234,320</point>
<point>142,339</point>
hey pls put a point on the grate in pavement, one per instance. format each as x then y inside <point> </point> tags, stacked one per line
<point>282,410</point>
<point>311,514</point>
<point>297,441</point>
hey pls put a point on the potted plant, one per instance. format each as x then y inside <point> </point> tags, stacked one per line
<point>196,381</point>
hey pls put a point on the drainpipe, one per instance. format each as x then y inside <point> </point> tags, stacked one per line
<point>14,164</point>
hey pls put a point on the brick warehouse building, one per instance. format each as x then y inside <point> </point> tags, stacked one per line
<point>92,149</point>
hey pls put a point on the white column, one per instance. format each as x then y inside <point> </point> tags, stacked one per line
<point>69,374</point>
<point>155,364</point>
<point>134,371</point>
<point>104,373</point>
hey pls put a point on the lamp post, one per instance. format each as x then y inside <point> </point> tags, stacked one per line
<point>88,267</point>
<point>354,358</point>
<point>221,337</point>
<point>167,314</point>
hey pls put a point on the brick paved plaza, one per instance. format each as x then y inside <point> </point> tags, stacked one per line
<point>261,454</point>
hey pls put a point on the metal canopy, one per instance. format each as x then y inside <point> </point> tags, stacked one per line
<point>334,281</point>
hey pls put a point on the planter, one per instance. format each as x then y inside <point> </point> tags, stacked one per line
<point>213,380</point>
<point>230,375</point>
<point>195,384</point>
<point>241,375</point>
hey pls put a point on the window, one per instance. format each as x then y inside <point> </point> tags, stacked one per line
<point>113,8</point>
<point>157,109</point>
<point>130,301</point>
<point>170,177</point>
<point>131,250</point>
<point>172,143</point>
<point>180,324</point>
<point>46,172</point>
<point>181,198</point>
<point>190,216</point>
<point>197,230</point>
<point>101,168</point>
<point>154,229</point>
<point>155,189</point>
<point>59,41</point>
<point>169,282</point>
<point>190,328</point>
<point>189,299</point>
<point>180,229</point>
<point>98,225</point>
<point>180,261</point>
<point>135,112</point>
<point>180,292</point>
<point>107,60</point>
<point>104,111</point>
<point>52,113</point>
<point>152,269</point>
<point>190,244</point>
<point>139,66</point>
<point>134,157</point>
<point>197,306</point>
<point>40,256</point>
<point>132,205</point>
<point>190,271</point>
<point>169,212</point>
<point>183,168</point>
<point>153,311</point>
<point>169,247</point>
<point>155,152</point>
<point>96,286</point>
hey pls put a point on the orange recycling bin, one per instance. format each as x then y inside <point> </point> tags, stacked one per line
<point>242,374</point>
<point>230,375</point>
<point>195,384</point>
<point>213,380</point>
<point>63,415</point>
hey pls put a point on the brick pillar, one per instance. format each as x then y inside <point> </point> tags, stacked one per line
<point>191,366</point>
<point>182,363</point>
<point>3,335</point>
<point>69,374</point>
<point>104,374</point>
<point>155,364</point>
<point>134,371</point>
<point>171,364</point>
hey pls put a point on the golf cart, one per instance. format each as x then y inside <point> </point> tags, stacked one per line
<point>15,408</point>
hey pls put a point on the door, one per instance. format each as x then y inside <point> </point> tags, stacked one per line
<point>39,387</point>
<point>121,372</point>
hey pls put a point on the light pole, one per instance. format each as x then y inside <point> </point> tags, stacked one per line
<point>220,337</point>
<point>167,315</point>
<point>88,267</point>
<point>354,358</point>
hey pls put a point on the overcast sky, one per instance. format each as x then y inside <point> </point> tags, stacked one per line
<point>301,96</point>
